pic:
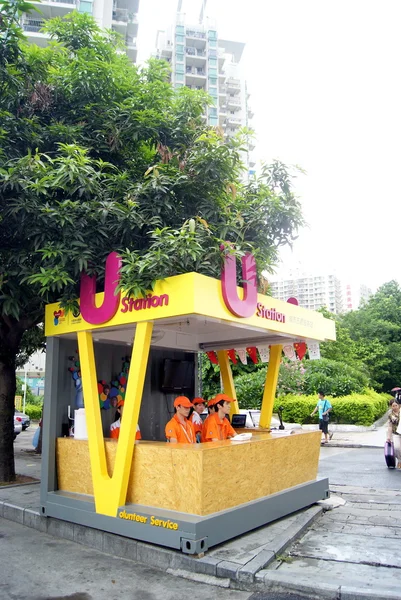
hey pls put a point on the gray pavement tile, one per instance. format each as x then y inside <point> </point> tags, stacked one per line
<point>370,581</point>
<point>349,548</point>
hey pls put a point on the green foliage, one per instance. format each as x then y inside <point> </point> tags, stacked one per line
<point>249,388</point>
<point>30,398</point>
<point>371,336</point>
<point>357,409</point>
<point>334,378</point>
<point>300,377</point>
<point>34,411</point>
<point>99,155</point>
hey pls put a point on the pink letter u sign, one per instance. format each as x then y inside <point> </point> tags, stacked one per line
<point>247,306</point>
<point>89,311</point>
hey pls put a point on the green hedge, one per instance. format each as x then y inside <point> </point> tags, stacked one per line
<point>355,409</point>
<point>34,412</point>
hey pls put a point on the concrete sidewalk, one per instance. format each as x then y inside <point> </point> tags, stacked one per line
<point>357,543</point>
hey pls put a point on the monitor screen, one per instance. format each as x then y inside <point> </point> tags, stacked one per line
<point>238,420</point>
<point>178,375</point>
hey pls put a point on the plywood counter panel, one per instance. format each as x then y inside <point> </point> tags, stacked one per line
<point>203,478</point>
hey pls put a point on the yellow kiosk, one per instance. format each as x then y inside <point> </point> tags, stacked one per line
<point>188,497</point>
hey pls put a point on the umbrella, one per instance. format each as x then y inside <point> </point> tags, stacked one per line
<point>395,389</point>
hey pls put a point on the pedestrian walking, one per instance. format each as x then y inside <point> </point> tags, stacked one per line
<point>324,407</point>
<point>392,433</point>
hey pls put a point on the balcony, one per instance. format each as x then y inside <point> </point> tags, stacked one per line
<point>194,87</point>
<point>195,34</point>
<point>131,47</point>
<point>233,83</point>
<point>191,51</point>
<point>233,103</point>
<point>234,121</point>
<point>120,15</point>
<point>198,71</point>
<point>55,8</point>
<point>33,25</point>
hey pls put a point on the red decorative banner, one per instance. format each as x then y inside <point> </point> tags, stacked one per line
<point>253,354</point>
<point>231,354</point>
<point>212,357</point>
<point>300,348</point>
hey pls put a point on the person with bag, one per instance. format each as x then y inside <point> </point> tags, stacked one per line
<point>324,407</point>
<point>393,436</point>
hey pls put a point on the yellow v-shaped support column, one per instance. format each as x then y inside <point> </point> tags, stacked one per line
<point>227,379</point>
<point>269,392</point>
<point>111,492</point>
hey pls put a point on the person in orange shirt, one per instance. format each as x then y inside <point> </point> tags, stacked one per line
<point>115,427</point>
<point>199,406</point>
<point>216,427</point>
<point>180,429</point>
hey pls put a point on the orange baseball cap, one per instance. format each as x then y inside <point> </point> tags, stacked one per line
<point>182,401</point>
<point>224,397</point>
<point>120,403</point>
<point>198,401</point>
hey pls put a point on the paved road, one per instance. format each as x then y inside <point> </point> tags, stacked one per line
<point>53,569</point>
<point>363,467</point>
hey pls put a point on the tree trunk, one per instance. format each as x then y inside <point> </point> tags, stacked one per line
<point>10,339</point>
<point>7,396</point>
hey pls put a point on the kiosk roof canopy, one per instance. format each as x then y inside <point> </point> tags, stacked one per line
<point>190,313</point>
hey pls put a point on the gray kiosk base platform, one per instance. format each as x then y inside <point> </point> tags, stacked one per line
<point>191,534</point>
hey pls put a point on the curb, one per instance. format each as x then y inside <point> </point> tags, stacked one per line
<point>340,445</point>
<point>238,575</point>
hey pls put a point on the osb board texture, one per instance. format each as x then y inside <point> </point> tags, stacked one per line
<point>162,476</point>
<point>195,480</point>
<point>243,472</point>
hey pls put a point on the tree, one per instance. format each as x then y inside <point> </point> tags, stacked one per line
<point>98,155</point>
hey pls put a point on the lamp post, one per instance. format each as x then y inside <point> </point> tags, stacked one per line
<point>25,384</point>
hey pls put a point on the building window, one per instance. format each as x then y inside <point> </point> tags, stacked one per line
<point>85,7</point>
<point>179,48</point>
<point>179,39</point>
<point>212,62</point>
<point>179,76</point>
<point>180,68</point>
<point>213,112</point>
<point>212,44</point>
<point>179,58</point>
<point>179,29</point>
<point>178,85</point>
<point>213,121</point>
<point>212,35</point>
<point>212,80</point>
<point>212,72</point>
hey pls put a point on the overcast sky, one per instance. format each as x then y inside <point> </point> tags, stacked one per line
<point>324,79</point>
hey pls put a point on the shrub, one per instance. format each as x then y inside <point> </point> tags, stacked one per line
<point>335,378</point>
<point>249,389</point>
<point>356,409</point>
<point>34,412</point>
<point>250,386</point>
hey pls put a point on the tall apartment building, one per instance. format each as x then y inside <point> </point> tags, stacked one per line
<point>311,291</point>
<point>200,60</point>
<point>120,15</point>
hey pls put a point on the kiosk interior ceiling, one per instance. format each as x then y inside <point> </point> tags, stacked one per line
<point>192,333</point>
